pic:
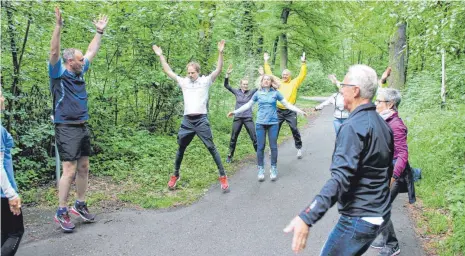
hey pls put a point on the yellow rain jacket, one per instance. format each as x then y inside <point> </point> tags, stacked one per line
<point>289,88</point>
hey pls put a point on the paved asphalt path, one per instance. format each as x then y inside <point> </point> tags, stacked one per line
<point>247,221</point>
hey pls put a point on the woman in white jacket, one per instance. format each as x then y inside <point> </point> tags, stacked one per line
<point>340,114</point>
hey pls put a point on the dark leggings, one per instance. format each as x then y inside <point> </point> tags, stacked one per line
<point>249,125</point>
<point>12,230</point>
<point>191,126</point>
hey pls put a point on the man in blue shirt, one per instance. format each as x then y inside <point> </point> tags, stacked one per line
<point>70,114</point>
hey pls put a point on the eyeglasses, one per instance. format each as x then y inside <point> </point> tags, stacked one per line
<point>379,101</point>
<point>342,85</point>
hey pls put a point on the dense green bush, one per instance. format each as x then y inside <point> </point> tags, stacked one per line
<point>436,143</point>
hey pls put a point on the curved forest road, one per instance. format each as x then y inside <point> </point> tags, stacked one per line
<point>247,221</point>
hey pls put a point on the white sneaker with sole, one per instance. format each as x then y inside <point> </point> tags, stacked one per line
<point>273,173</point>
<point>261,174</point>
<point>299,153</point>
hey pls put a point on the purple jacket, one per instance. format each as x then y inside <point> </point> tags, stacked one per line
<point>400,143</point>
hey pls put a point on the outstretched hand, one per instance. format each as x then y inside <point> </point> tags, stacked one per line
<point>59,19</point>
<point>301,230</point>
<point>230,114</point>
<point>386,74</point>
<point>266,56</point>
<point>230,69</point>
<point>101,23</point>
<point>303,57</point>
<point>333,78</point>
<point>221,45</point>
<point>157,50</point>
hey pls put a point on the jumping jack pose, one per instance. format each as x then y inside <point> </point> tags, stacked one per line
<point>340,113</point>
<point>195,121</point>
<point>70,115</point>
<point>289,89</point>
<point>243,95</point>
<point>267,121</point>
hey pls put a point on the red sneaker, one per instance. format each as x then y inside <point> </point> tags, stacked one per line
<point>173,181</point>
<point>224,183</point>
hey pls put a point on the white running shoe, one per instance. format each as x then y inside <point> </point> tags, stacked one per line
<point>261,174</point>
<point>299,153</point>
<point>273,173</point>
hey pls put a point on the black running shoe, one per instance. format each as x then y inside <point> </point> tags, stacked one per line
<point>82,211</point>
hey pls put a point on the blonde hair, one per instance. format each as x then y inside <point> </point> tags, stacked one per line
<point>195,65</point>
<point>274,81</point>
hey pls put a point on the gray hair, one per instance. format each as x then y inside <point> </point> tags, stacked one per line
<point>365,78</point>
<point>390,95</point>
<point>287,71</point>
<point>69,54</point>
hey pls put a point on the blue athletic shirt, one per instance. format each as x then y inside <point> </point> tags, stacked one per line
<point>69,93</point>
<point>5,148</point>
<point>267,113</point>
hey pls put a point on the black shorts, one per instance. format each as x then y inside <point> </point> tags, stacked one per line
<point>73,141</point>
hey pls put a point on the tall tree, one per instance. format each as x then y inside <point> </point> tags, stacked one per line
<point>398,56</point>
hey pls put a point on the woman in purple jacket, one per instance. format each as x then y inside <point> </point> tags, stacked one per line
<point>387,101</point>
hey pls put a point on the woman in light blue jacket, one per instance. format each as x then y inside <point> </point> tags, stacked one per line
<point>267,120</point>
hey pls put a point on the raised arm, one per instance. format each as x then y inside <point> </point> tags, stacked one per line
<point>94,45</point>
<point>334,80</point>
<point>226,80</point>
<point>55,43</point>
<point>166,68</point>
<point>267,67</point>
<point>303,71</point>
<point>219,65</point>
<point>383,81</point>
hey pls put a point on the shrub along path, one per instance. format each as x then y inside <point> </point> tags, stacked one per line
<point>247,221</point>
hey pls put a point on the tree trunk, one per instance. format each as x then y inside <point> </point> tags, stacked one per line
<point>275,49</point>
<point>14,55</point>
<point>284,53</point>
<point>398,57</point>
<point>206,28</point>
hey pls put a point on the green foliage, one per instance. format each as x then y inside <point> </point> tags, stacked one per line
<point>437,146</point>
<point>135,108</point>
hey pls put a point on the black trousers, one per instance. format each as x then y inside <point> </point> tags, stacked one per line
<point>236,130</point>
<point>191,126</point>
<point>291,118</point>
<point>12,229</point>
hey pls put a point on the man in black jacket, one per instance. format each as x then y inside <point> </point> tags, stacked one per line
<point>361,169</point>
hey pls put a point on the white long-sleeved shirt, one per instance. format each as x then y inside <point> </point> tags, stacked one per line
<point>8,190</point>
<point>338,101</point>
